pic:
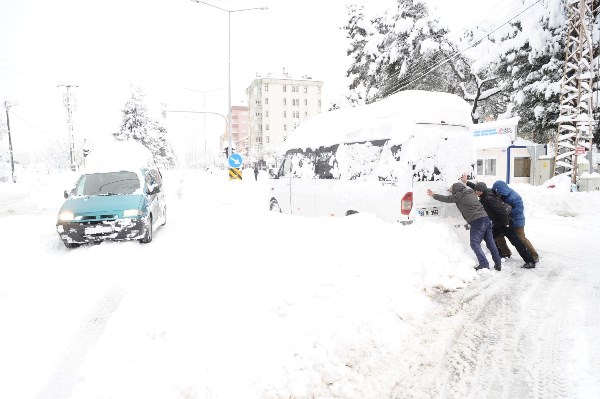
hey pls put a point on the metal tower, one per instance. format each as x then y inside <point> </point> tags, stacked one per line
<point>575,123</point>
<point>70,105</point>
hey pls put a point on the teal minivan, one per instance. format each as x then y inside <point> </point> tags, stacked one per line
<point>116,205</point>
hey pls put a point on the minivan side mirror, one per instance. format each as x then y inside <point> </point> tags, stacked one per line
<point>153,190</point>
<point>66,194</point>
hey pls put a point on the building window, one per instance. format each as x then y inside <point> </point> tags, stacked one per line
<point>486,167</point>
<point>284,127</point>
<point>305,101</point>
<point>266,101</point>
<point>305,89</point>
<point>266,127</point>
<point>285,101</point>
<point>267,113</point>
<point>284,88</point>
<point>296,114</point>
<point>522,167</point>
<point>294,89</point>
<point>267,139</point>
<point>319,103</point>
<point>295,102</point>
<point>234,125</point>
<point>285,114</point>
<point>305,113</point>
<point>266,87</point>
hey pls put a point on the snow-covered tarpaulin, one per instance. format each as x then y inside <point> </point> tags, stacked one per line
<point>392,118</point>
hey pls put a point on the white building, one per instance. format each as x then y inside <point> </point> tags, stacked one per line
<point>502,155</point>
<point>276,106</point>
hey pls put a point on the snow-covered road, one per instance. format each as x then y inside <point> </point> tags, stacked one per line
<point>291,307</point>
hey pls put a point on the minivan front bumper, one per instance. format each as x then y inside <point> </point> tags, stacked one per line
<point>90,232</point>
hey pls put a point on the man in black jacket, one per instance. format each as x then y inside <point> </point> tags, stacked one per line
<point>474,214</point>
<point>499,212</point>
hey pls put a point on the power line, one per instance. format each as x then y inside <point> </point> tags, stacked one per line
<point>400,86</point>
<point>403,83</point>
<point>419,67</point>
<point>422,68</point>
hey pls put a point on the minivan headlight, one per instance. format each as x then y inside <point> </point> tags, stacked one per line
<point>128,213</point>
<point>65,216</point>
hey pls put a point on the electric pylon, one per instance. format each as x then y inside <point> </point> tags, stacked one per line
<point>575,122</point>
<point>70,105</point>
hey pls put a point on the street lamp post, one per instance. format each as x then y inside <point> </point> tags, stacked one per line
<point>230,148</point>
<point>203,92</point>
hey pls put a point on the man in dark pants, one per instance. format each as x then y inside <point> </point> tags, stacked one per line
<point>481,226</point>
<point>512,198</point>
<point>499,212</point>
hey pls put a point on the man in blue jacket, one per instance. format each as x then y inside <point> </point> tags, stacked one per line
<point>512,198</point>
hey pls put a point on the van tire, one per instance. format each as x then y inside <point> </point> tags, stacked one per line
<point>348,213</point>
<point>70,245</point>
<point>148,236</point>
<point>274,206</point>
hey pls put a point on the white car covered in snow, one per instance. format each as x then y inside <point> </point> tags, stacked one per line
<point>379,158</point>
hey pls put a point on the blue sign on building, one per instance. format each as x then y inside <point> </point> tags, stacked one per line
<point>235,161</point>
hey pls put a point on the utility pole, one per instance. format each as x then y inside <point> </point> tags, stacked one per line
<point>575,122</point>
<point>7,106</point>
<point>203,92</point>
<point>70,105</point>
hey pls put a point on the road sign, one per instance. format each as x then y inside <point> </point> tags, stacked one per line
<point>235,161</point>
<point>580,150</point>
<point>235,174</point>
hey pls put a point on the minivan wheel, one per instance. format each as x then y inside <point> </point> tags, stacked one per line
<point>70,245</point>
<point>275,206</point>
<point>148,236</point>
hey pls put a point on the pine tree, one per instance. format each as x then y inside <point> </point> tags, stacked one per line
<point>398,52</point>
<point>138,126</point>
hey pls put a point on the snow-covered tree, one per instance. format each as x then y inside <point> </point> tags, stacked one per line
<point>138,126</point>
<point>405,50</point>
<point>531,65</point>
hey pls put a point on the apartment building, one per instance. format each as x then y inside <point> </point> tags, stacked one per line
<point>276,106</point>
<point>239,128</point>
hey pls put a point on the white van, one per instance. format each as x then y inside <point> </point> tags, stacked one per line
<point>379,158</point>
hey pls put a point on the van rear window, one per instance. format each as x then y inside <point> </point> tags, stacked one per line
<point>107,183</point>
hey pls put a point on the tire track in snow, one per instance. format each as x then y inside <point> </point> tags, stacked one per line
<point>515,335</point>
<point>65,376</point>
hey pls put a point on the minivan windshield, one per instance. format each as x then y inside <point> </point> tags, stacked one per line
<point>110,183</point>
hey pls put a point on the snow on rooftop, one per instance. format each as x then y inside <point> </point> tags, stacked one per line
<point>394,117</point>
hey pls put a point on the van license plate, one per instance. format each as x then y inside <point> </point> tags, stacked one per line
<point>424,212</point>
<point>98,230</point>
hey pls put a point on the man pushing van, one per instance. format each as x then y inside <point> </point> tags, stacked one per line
<point>481,226</point>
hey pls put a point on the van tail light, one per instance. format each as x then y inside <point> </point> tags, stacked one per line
<point>406,203</point>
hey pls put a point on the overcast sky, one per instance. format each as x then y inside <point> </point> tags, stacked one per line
<point>165,47</point>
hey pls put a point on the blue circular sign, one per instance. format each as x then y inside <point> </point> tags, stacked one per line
<point>235,161</point>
